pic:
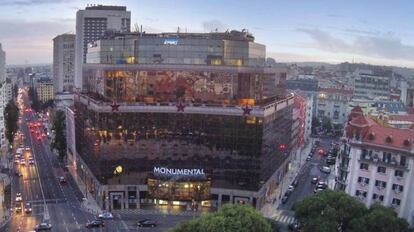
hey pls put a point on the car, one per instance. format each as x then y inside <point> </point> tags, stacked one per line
<point>316,190</point>
<point>321,151</point>
<point>314,180</point>
<point>105,215</point>
<point>322,183</point>
<point>18,208</point>
<point>18,173</point>
<point>19,197</point>
<point>43,226</point>
<point>62,180</point>
<point>325,169</point>
<point>31,161</point>
<point>295,183</point>
<point>27,149</point>
<point>294,226</point>
<point>330,161</point>
<point>291,188</point>
<point>285,199</point>
<point>308,158</point>
<point>94,224</point>
<point>146,223</point>
<point>22,162</point>
<point>28,208</point>
<point>17,161</point>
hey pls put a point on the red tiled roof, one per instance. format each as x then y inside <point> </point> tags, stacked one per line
<point>359,121</point>
<point>337,91</point>
<point>410,110</point>
<point>395,135</point>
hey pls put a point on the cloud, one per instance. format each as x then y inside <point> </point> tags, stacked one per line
<point>213,25</point>
<point>386,46</point>
<point>32,2</point>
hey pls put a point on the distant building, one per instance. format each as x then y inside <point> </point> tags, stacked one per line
<point>371,86</point>
<point>64,63</point>
<point>44,90</point>
<point>376,164</point>
<point>333,103</point>
<point>307,84</point>
<point>2,65</point>
<point>91,24</point>
<point>372,107</point>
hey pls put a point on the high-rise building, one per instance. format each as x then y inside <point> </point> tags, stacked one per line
<point>64,63</point>
<point>2,65</point>
<point>369,85</point>
<point>179,118</point>
<point>91,24</point>
<point>44,90</point>
<point>375,164</point>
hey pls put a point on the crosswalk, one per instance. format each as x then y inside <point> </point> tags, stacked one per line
<point>285,219</point>
<point>156,212</point>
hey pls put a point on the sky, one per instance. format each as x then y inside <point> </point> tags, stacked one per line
<point>370,31</point>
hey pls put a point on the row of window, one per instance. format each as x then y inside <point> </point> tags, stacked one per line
<point>360,193</point>
<point>381,169</point>
<point>380,184</point>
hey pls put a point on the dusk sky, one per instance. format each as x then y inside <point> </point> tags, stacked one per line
<point>377,32</point>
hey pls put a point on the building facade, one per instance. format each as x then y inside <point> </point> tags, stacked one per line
<point>333,103</point>
<point>64,63</point>
<point>2,65</point>
<point>371,86</point>
<point>44,90</point>
<point>179,125</point>
<point>375,164</point>
<point>91,24</point>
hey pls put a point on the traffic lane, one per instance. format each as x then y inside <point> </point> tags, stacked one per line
<point>164,222</point>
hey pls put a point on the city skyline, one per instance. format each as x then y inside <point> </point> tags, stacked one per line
<point>292,32</point>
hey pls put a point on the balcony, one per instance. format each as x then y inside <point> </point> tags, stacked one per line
<point>191,108</point>
<point>379,162</point>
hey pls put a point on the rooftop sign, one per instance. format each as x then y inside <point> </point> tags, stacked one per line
<point>171,41</point>
<point>178,171</point>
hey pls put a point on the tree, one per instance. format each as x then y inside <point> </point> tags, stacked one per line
<point>379,219</point>
<point>327,124</point>
<point>337,211</point>
<point>328,211</point>
<point>11,115</point>
<point>230,218</point>
<point>59,142</point>
<point>315,124</point>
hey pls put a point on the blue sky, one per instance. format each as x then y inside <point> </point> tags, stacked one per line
<point>377,32</point>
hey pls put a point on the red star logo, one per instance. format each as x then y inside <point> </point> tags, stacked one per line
<point>180,107</point>
<point>115,107</point>
<point>246,110</point>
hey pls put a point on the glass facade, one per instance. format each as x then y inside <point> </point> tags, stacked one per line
<point>236,152</point>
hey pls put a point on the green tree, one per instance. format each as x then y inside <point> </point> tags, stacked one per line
<point>315,124</point>
<point>59,142</point>
<point>328,211</point>
<point>379,219</point>
<point>11,115</point>
<point>230,218</point>
<point>327,124</point>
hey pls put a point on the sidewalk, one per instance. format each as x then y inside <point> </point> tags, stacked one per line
<point>270,209</point>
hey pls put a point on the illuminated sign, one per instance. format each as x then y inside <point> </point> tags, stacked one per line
<point>178,171</point>
<point>170,41</point>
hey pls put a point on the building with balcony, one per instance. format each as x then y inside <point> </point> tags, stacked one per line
<point>333,103</point>
<point>376,164</point>
<point>44,90</point>
<point>178,119</point>
<point>369,85</point>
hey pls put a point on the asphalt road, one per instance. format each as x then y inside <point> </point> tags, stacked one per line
<point>39,185</point>
<point>309,170</point>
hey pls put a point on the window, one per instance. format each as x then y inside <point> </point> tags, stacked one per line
<point>380,184</point>
<point>398,173</point>
<point>386,158</point>
<point>363,166</point>
<point>363,180</point>
<point>360,193</point>
<point>378,197</point>
<point>403,160</point>
<point>381,169</point>
<point>397,188</point>
<point>396,201</point>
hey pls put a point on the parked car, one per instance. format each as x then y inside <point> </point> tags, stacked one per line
<point>295,183</point>
<point>18,173</point>
<point>95,224</point>
<point>19,197</point>
<point>62,179</point>
<point>316,190</point>
<point>28,208</point>
<point>285,199</point>
<point>105,215</point>
<point>43,226</point>
<point>146,223</point>
<point>314,180</point>
<point>308,158</point>
<point>295,226</point>
<point>325,169</point>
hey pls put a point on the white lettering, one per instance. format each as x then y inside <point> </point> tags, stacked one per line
<point>179,171</point>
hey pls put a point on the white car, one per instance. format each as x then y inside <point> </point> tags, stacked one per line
<point>27,148</point>
<point>19,197</point>
<point>325,169</point>
<point>105,215</point>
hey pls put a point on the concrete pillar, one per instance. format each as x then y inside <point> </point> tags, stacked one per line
<point>219,200</point>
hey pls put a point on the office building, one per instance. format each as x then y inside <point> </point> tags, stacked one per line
<point>333,103</point>
<point>44,90</point>
<point>368,85</point>
<point>178,118</point>
<point>91,24</point>
<point>376,163</point>
<point>64,63</point>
